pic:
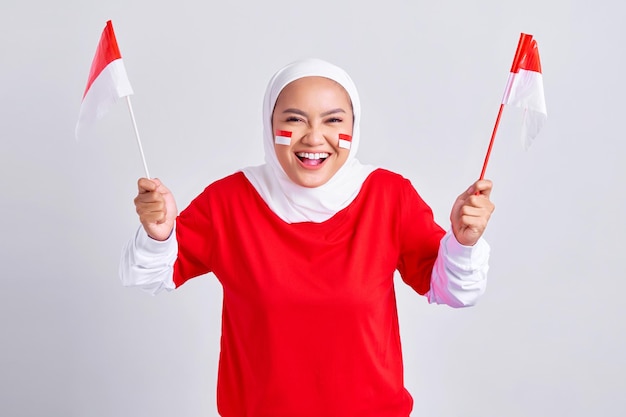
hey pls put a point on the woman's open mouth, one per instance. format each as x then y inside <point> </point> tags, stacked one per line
<point>312,159</point>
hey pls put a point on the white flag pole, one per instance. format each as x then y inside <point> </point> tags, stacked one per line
<point>132,117</point>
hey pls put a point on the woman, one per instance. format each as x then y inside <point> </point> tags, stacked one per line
<point>305,247</point>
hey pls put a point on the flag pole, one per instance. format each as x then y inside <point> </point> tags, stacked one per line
<point>132,117</point>
<point>493,137</point>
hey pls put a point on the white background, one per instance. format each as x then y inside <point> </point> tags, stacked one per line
<point>547,339</point>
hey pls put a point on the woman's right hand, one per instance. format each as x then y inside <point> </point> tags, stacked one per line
<point>156,208</point>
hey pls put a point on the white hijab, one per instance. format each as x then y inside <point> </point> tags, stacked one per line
<point>292,202</point>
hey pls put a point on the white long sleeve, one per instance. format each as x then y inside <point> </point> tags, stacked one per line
<point>149,264</point>
<point>459,275</point>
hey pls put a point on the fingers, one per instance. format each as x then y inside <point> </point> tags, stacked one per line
<point>471,212</point>
<point>151,211</point>
<point>474,210</point>
<point>478,205</point>
<point>150,203</point>
<point>477,195</point>
<point>146,185</point>
<point>475,218</point>
<point>478,200</point>
<point>481,187</point>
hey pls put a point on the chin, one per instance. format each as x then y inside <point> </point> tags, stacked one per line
<point>310,182</point>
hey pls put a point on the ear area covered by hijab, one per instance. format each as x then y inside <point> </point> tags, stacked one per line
<point>291,202</point>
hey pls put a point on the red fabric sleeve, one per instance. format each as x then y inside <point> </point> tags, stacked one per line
<point>419,241</point>
<point>194,232</point>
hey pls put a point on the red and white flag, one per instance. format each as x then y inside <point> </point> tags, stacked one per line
<point>106,84</point>
<point>283,137</point>
<point>525,88</point>
<point>345,141</point>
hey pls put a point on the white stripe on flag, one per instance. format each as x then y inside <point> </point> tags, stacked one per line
<point>526,91</point>
<point>282,140</point>
<point>111,85</point>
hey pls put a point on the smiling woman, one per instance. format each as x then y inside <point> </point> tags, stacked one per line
<point>305,101</point>
<point>316,111</point>
<point>305,247</point>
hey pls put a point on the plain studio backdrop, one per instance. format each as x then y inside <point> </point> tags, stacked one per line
<point>547,338</point>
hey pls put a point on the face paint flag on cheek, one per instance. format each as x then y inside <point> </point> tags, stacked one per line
<point>345,141</point>
<point>283,137</point>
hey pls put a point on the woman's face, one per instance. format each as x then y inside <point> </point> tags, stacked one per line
<point>315,110</point>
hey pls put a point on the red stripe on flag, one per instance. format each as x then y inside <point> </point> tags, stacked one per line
<point>530,61</point>
<point>522,47</point>
<point>285,133</point>
<point>107,52</point>
<point>343,136</point>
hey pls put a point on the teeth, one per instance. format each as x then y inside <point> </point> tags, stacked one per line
<point>310,155</point>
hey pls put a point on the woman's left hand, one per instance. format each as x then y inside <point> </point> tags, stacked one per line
<point>471,212</point>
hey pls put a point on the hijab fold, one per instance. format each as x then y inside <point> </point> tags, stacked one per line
<point>291,202</point>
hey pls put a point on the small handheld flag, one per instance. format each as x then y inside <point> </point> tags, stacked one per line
<point>524,89</point>
<point>107,82</point>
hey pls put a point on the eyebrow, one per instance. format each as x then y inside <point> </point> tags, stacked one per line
<point>302,113</point>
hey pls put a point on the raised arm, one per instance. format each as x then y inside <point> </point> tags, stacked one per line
<point>148,258</point>
<point>459,275</point>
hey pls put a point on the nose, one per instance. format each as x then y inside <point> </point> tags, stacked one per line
<point>313,137</point>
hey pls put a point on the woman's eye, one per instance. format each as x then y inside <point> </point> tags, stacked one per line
<point>335,120</point>
<point>293,119</point>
